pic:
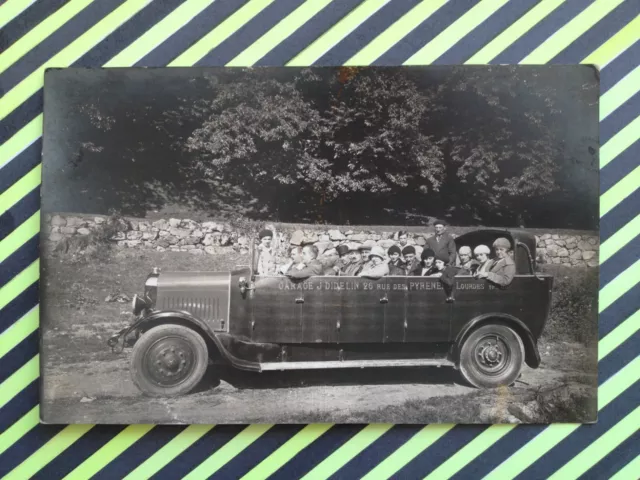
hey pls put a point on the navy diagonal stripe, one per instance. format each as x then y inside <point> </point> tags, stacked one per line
<point>67,33</point>
<point>21,211</point>
<point>249,33</point>
<point>619,118</point>
<point>429,459</point>
<point>26,20</point>
<point>20,116</point>
<point>528,42</point>
<point>621,356</point>
<point>583,436</point>
<point>619,311</point>
<point>619,67</point>
<point>19,355</point>
<point>620,167</point>
<point>19,260</point>
<point>20,405</point>
<point>498,452</point>
<point>425,32</point>
<point>615,460</point>
<point>127,33</point>
<point>310,31</point>
<point>91,442</point>
<point>22,164</point>
<point>190,33</point>
<point>485,32</point>
<point>388,443</point>
<point>23,448</point>
<point>19,306</point>
<point>137,453</point>
<point>620,215</point>
<point>365,33</point>
<point>199,451</point>
<point>268,443</point>
<point>316,452</point>
<point>624,257</point>
<point>598,34</point>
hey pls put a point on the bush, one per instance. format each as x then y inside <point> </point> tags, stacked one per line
<point>574,304</point>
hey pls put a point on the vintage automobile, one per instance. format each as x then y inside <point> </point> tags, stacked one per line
<point>186,320</point>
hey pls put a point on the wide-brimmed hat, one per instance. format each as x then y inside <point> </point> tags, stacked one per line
<point>377,251</point>
<point>502,242</point>
<point>265,233</point>
<point>408,249</point>
<point>342,249</point>
<point>482,249</point>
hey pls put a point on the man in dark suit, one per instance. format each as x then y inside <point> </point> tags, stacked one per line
<point>442,243</point>
<point>413,267</point>
<point>312,265</point>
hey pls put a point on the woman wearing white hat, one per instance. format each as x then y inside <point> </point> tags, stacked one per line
<point>503,268</point>
<point>467,262</point>
<point>376,267</point>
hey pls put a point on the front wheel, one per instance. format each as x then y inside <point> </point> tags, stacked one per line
<point>492,356</point>
<point>169,360</point>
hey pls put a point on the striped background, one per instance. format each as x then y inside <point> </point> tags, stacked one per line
<point>35,35</point>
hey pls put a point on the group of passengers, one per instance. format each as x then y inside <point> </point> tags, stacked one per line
<point>438,259</point>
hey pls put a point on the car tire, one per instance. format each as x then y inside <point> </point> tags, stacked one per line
<point>492,356</point>
<point>168,361</point>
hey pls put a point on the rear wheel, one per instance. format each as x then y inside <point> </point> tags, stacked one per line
<point>491,356</point>
<point>169,360</point>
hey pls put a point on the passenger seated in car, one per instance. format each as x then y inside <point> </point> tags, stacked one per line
<point>266,255</point>
<point>403,238</point>
<point>439,265</point>
<point>356,263</point>
<point>467,262</point>
<point>341,263</point>
<point>365,251</point>
<point>503,268</point>
<point>376,267</point>
<point>311,264</point>
<point>396,265</point>
<point>428,259</point>
<point>295,255</point>
<point>481,252</point>
<point>413,267</point>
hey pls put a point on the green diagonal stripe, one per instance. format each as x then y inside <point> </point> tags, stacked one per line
<point>109,452</point>
<point>554,434</point>
<point>617,44</point>
<point>286,452</point>
<point>394,33</point>
<point>620,285</point>
<point>572,30</point>
<point>620,93</point>
<point>597,450</point>
<point>19,429</point>
<point>11,9</point>
<point>407,452</point>
<point>30,85</point>
<point>159,33</point>
<point>619,239</point>
<point>629,471</point>
<point>336,33</point>
<point>470,452</point>
<point>19,189</point>
<point>19,330</point>
<point>19,283</point>
<point>455,32</point>
<point>20,141</point>
<point>348,451</point>
<point>40,32</point>
<point>18,237</point>
<point>618,335</point>
<point>515,31</point>
<point>219,34</point>
<point>620,142</point>
<point>281,31</point>
<point>50,450</point>
<point>621,190</point>
<point>19,380</point>
<point>230,450</point>
<point>168,452</point>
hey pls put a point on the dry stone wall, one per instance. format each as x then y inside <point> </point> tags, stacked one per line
<point>199,238</point>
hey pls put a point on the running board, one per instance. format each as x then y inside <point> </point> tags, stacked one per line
<point>418,362</point>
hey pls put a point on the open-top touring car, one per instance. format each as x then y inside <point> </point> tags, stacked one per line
<point>184,320</point>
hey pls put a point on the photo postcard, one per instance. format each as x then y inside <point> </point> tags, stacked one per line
<point>299,245</point>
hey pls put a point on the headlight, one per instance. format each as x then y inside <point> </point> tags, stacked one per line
<point>138,305</point>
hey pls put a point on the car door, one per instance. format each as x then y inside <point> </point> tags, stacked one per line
<point>395,294</point>
<point>362,310</point>
<point>428,315</point>
<point>276,310</point>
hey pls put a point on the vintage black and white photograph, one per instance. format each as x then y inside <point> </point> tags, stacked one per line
<point>302,245</point>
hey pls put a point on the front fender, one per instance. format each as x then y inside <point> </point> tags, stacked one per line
<point>185,318</point>
<point>532,356</point>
